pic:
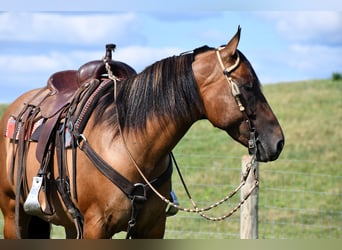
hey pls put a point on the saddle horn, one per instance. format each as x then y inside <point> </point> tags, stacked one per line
<point>109,49</point>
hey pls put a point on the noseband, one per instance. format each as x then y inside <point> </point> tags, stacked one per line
<point>252,147</point>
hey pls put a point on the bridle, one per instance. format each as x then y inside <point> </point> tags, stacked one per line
<point>252,147</point>
<point>250,166</point>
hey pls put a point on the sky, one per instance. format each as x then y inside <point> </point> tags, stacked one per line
<point>284,42</point>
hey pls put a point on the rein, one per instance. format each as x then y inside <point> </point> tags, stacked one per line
<point>251,166</point>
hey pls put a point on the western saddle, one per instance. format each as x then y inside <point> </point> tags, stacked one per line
<point>62,108</point>
<point>64,84</point>
<point>63,87</point>
<point>63,99</point>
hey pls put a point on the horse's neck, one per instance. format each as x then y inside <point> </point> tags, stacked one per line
<point>150,150</point>
<point>158,140</point>
<point>149,147</point>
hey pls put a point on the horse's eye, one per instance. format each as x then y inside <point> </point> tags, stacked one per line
<point>249,98</point>
<point>248,86</point>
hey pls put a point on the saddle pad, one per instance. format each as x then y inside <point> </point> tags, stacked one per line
<point>10,129</point>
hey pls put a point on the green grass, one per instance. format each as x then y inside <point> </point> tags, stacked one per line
<point>300,194</point>
<point>2,109</point>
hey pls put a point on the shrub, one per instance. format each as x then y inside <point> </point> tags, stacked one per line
<point>336,76</point>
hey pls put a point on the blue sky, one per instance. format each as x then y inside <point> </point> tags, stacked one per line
<point>283,43</point>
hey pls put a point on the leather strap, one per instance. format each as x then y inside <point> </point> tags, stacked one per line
<point>63,183</point>
<point>137,193</point>
<point>115,177</point>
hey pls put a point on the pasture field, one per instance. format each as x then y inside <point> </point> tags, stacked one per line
<point>300,194</point>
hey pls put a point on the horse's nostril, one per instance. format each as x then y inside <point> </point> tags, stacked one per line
<point>280,146</point>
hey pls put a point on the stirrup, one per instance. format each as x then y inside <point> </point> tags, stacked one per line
<point>32,205</point>
<point>171,210</point>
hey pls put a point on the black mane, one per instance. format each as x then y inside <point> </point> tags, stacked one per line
<point>165,90</point>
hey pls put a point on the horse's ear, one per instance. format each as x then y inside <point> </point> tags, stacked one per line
<point>233,43</point>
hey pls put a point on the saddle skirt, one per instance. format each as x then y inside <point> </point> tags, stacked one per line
<point>12,133</point>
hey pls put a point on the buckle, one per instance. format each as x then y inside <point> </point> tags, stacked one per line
<point>80,140</point>
<point>139,192</point>
<point>252,146</point>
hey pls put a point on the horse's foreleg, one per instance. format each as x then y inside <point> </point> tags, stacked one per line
<point>10,225</point>
<point>155,231</point>
<point>94,232</point>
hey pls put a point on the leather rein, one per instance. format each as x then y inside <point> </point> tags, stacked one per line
<point>250,167</point>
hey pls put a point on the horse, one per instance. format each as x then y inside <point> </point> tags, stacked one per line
<point>134,122</point>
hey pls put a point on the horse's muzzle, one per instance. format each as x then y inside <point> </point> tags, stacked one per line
<point>269,152</point>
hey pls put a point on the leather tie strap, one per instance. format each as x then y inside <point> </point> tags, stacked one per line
<point>115,177</point>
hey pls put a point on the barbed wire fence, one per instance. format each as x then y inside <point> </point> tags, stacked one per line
<point>293,203</point>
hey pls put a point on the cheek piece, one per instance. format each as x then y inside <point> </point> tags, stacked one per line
<point>235,90</point>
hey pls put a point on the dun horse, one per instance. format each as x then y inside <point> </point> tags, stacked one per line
<point>90,139</point>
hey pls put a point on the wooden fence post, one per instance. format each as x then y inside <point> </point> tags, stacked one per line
<point>249,210</point>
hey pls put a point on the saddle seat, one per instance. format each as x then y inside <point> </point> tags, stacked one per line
<point>71,80</point>
<point>62,85</point>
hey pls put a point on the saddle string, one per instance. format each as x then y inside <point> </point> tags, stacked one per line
<point>196,209</point>
<point>111,76</point>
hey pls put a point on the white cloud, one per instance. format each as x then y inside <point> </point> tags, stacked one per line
<point>312,43</point>
<point>25,72</point>
<point>300,44</point>
<point>308,26</point>
<point>316,59</point>
<point>45,62</point>
<point>298,62</point>
<point>15,63</point>
<point>139,57</point>
<point>213,34</point>
<point>68,29</point>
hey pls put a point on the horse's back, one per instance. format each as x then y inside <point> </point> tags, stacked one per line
<point>18,104</point>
